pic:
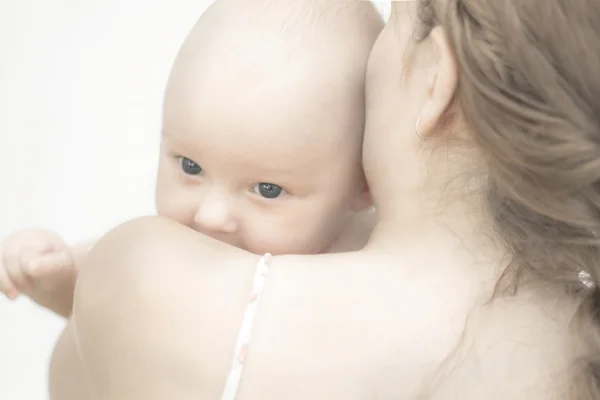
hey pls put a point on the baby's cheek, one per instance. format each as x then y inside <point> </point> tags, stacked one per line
<point>299,238</point>
<point>177,217</point>
<point>265,239</point>
<point>171,208</point>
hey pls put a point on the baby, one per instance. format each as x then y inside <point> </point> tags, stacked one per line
<point>261,142</point>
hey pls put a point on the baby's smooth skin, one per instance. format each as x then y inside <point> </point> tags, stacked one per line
<point>263,124</point>
<point>261,143</point>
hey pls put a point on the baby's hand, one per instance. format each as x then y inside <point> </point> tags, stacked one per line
<point>36,263</point>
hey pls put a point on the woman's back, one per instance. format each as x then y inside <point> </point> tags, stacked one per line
<point>354,326</point>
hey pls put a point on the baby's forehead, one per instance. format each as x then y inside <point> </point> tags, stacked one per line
<point>286,114</point>
<point>288,89</point>
<point>259,136</point>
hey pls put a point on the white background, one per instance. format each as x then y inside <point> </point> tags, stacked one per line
<point>81,84</point>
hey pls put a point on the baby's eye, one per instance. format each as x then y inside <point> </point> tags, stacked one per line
<point>190,167</point>
<point>268,190</point>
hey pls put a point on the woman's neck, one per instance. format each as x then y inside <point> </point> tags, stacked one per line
<point>443,217</point>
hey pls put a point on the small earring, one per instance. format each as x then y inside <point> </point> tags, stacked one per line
<point>417,128</point>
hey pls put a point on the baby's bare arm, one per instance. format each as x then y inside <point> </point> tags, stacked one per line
<point>41,265</point>
<point>56,292</point>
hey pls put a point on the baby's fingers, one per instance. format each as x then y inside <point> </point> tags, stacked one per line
<point>50,265</point>
<point>13,267</point>
<point>6,284</point>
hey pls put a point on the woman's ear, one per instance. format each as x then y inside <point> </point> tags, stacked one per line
<point>442,83</point>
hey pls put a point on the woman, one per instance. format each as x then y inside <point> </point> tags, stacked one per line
<point>480,279</point>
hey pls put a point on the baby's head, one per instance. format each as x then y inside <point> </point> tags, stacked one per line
<point>263,123</point>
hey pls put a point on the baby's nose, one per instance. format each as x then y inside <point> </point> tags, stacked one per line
<point>214,215</point>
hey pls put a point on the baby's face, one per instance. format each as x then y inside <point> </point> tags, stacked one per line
<point>263,173</point>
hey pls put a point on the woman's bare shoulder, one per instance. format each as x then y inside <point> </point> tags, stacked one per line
<point>67,379</point>
<point>150,250</point>
<point>159,303</point>
<point>146,238</point>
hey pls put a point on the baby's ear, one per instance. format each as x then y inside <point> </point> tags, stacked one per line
<point>363,199</point>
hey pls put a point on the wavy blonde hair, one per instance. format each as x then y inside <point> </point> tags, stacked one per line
<point>530,93</point>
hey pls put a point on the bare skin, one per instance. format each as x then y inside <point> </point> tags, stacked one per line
<point>352,326</point>
<point>407,317</point>
<point>41,265</point>
<point>261,141</point>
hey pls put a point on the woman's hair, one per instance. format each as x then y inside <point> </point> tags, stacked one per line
<point>529,90</point>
